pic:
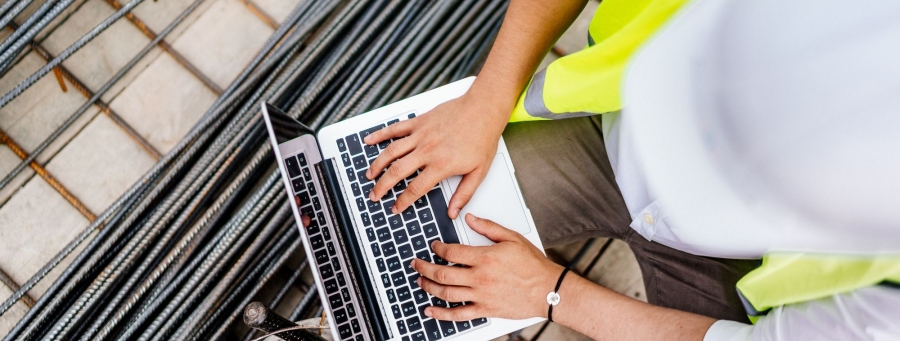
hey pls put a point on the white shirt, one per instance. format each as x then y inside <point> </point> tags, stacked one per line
<point>871,313</point>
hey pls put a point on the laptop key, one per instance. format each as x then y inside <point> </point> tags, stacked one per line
<point>330,247</point>
<point>361,175</point>
<point>345,331</point>
<point>345,158</point>
<point>408,308</point>
<point>479,321</point>
<point>447,328</point>
<point>306,174</point>
<point>430,231</point>
<point>418,243</point>
<point>463,326</point>
<point>395,222</point>
<point>355,325</point>
<point>400,237</point>
<point>374,207</point>
<point>392,298</point>
<point>444,223</point>
<point>425,215</point>
<point>405,251</point>
<point>316,204</point>
<point>378,219</point>
<point>398,278</point>
<point>336,264</point>
<point>345,294</point>
<point>359,162</point>
<point>411,115</point>
<point>413,323</point>
<point>384,234</point>
<point>384,144</point>
<point>304,200</point>
<point>312,189</point>
<point>321,257</point>
<point>376,250</point>
<point>367,132</point>
<point>393,121</point>
<point>409,214</point>
<point>388,249</point>
<point>371,151</point>
<point>298,185</point>
<point>353,144</point>
<point>366,189</point>
<point>420,296</point>
<point>341,145</point>
<point>401,327</point>
<point>302,158</point>
<point>380,263</point>
<point>292,167</point>
<point>412,281</point>
<point>365,219</point>
<point>331,286</point>
<point>313,227</point>
<point>413,228</point>
<point>422,311</point>
<point>326,233</point>
<point>316,242</point>
<point>437,302</point>
<point>400,186</point>
<point>424,255</point>
<point>351,175</point>
<point>420,203</point>
<point>355,188</point>
<point>393,264</point>
<point>361,205</point>
<point>341,281</point>
<point>370,233</point>
<point>386,280</point>
<point>326,271</point>
<point>432,330</point>
<point>350,309</point>
<point>395,309</point>
<point>340,316</point>
<point>403,294</point>
<point>387,206</point>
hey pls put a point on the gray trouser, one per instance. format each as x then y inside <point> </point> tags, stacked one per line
<point>571,190</point>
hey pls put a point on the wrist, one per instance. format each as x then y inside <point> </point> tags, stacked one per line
<point>547,285</point>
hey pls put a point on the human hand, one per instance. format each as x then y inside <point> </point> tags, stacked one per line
<point>304,219</point>
<point>509,279</point>
<point>458,137</point>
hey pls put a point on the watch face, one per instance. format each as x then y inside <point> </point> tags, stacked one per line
<point>553,298</point>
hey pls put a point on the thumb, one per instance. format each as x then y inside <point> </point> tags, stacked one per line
<point>464,192</point>
<point>490,229</point>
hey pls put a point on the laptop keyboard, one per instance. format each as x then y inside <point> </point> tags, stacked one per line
<point>396,238</point>
<point>335,280</point>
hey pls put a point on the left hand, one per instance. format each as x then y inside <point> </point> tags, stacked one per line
<point>510,279</point>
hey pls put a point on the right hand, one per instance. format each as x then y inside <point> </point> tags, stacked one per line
<point>458,137</point>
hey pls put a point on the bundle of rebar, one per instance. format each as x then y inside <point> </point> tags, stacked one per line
<point>181,253</point>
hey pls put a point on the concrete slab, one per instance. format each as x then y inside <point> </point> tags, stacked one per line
<point>34,115</point>
<point>34,225</point>
<point>158,14</point>
<point>12,316</point>
<point>100,59</point>
<point>277,9</point>
<point>163,103</point>
<point>8,161</point>
<point>100,164</point>
<point>223,40</point>
<point>575,37</point>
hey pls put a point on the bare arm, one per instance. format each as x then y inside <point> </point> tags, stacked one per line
<point>512,278</point>
<point>460,137</point>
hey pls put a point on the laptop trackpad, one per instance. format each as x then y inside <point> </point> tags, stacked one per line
<point>497,199</point>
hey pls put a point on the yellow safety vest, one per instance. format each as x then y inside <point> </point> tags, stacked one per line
<point>589,82</point>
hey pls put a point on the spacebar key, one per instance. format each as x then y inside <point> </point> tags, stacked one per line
<point>444,223</point>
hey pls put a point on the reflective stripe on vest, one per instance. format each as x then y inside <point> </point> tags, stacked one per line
<point>788,278</point>
<point>588,82</point>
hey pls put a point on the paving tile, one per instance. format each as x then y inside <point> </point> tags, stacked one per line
<point>12,316</point>
<point>9,161</point>
<point>575,38</point>
<point>223,40</point>
<point>158,109</point>
<point>277,9</point>
<point>100,164</point>
<point>158,14</point>
<point>34,115</point>
<point>34,225</point>
<point>104,56</point>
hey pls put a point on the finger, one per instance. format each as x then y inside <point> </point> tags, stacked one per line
<point>457,253</point>
<point>417,188</point>
<point>399,170</point>
<point>305,220</point>
<point>461,313</point>
<point>447,275</point>
<point>449,293</point>
<point>465,191</point>
<point>394,151</point>
<point>491,230</point>
<point>399,129</point>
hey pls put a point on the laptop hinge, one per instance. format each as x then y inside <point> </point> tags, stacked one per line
<point>352,251</point>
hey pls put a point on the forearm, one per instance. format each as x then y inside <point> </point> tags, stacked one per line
<point>604,314</point>
<point>529,29</point>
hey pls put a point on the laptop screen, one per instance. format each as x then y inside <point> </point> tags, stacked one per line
<point>286,128</point>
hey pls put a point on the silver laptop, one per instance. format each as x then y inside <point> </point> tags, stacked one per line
<point>360,251</point>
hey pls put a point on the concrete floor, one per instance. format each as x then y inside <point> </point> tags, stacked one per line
<point>157,102</point>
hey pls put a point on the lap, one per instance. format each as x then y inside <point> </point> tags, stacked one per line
<point>570,188</point>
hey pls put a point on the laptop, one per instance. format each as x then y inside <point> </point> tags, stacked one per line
<point>359,252</point>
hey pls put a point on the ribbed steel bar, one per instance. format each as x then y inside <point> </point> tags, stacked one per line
<point>279,296</point>
<point>12,285</point>
<point>35,22</point>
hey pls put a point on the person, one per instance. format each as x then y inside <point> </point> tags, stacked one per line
<point>707,135</point>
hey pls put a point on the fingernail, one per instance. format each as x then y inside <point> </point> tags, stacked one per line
<point>367,138</point>
<point>419,281</point>
<point>456,212</point>
<point>428,312</point>
<point>394,209</point>
<point>412,263</point>
<point>372,196</point>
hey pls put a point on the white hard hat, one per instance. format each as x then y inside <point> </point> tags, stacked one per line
<point>774,123</point>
